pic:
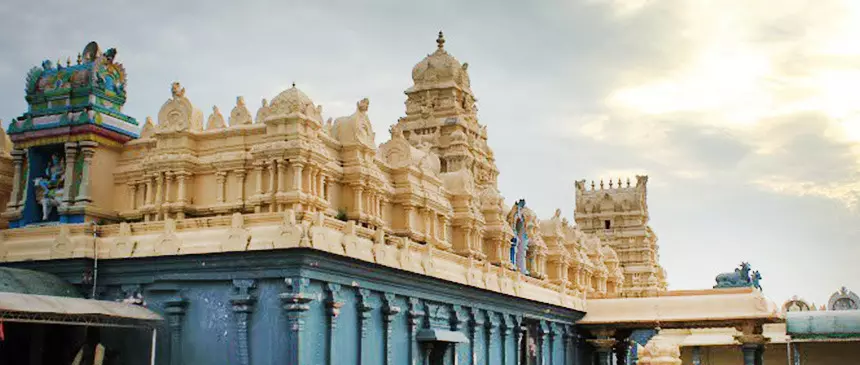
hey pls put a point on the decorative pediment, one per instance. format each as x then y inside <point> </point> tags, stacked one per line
<point>178,114</point>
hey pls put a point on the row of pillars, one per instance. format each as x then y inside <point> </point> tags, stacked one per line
<point>608,350</point>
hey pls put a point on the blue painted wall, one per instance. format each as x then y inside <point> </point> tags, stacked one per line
<point>309,307</point>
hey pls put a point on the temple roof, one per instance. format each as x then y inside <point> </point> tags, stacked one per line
<point>34,282</point>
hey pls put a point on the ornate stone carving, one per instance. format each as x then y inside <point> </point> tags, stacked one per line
<point>240,114</point>
<point>125,245</point>
<point>63,245</point>
<point>843,299</point>
<point>168,243</point>
<point>238,238</point>
<point>290,232</point>
<point>741,277</point>
<point>178,114</point>
<point>216,120</point>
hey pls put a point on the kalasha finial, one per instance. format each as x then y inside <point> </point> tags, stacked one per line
<point>79,58</point>
<point>440,41</point>
<point>68,61</point>
<point>294,84</point>
<point>628,182</point>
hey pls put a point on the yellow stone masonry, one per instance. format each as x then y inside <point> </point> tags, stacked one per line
<point>424,201</point>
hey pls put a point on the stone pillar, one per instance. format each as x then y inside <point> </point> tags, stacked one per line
<point>476,323</point>
<point>220,178</point>
<point>282,180</point>
<point>159,188</point>
<point>333,305</point>
<point>504,329</point>
<point>273,168</point>
<point>15,199</point>
<point>414,315</point>
<point>168,186</point>
<point>181,178</point>
<point>147,193</point>
<point>603,345</point>
<point>298,168</point>
<point>175,310</point>
<point>132,196</point>
<point>88,149</point>
<point>258,175</point>
<point>357,190</point>
<point>243,304</point>
<point>389,311</point>
<point>296,302</point>
<point>240,186</point>
<point>407,217</point>
<point>752,343</point>
<point>71,149</point>
<point>363,308</point>
<point>323,187</point>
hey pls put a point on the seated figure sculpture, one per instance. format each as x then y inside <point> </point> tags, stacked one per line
<point>49,189</point>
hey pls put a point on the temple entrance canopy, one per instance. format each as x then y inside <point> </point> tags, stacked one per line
<point>39,309</point>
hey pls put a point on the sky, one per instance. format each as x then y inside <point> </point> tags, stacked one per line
<point>744,114</point>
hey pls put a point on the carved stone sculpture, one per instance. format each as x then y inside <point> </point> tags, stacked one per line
<point>50,188</point>
<point>739,278</point>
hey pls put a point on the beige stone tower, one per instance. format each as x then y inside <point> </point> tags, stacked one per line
<point>618,213</point>
<point>441,115</point>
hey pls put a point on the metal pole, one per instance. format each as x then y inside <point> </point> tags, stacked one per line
<point>96,260</point>
<point>788,351</point>
<point>152,353</point>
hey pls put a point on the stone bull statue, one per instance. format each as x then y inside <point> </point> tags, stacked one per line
<point>739,278</point>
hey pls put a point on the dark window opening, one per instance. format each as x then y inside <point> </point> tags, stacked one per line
<point>607,224</point>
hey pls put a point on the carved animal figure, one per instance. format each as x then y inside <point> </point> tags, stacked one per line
<point>739,278</point>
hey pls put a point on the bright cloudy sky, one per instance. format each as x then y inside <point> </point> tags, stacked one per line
<point>743,113</point>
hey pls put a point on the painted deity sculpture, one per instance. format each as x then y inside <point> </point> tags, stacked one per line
<point>520,242</point>
<point>739,278</point>
<point>49,189</point>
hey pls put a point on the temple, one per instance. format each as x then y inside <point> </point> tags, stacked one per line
<point>283,236</point>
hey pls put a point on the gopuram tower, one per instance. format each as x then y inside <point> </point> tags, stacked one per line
<point>441,115</point>
<point>618,213</point>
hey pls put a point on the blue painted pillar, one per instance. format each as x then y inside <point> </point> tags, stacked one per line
<point>296,301</point>
<point>389,310</point>
<point>493,324</point>
<point>518,338</point>
<point>476,323</point>
<point>543,344</point>
<point>243,304</point>
<point>333,304</point>
<point>415,315</point>
<point>363,308</point>
<point>175,309</point>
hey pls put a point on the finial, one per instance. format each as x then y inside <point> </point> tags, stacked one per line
<point>601,184</point>
<point>294,84</point>
<point>68,61</point>
<point>628,182</point>
<point>592,185</point>
<point>619,183</point>
<point>440,41</point>
<point>79,58</point>
<point>59,64</point>
<point>610,183</point>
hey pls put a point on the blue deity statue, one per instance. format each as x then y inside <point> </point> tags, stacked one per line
<point>520,242</point>
<point>49,189</point>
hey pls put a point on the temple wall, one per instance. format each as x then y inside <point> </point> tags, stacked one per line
<point>371,322</point>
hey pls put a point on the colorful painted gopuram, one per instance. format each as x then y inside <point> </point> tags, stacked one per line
<point>284,236</point>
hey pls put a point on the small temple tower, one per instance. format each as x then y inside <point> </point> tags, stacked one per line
<point>73,130</point>
<point>441,114</point>
<point>618,213</point>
